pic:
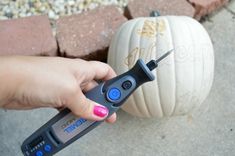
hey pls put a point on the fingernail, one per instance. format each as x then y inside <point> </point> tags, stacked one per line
<point>100,111</point>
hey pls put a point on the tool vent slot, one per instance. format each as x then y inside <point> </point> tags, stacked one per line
<point>53,138</point>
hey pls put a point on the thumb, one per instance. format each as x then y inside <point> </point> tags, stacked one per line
<point>86,108</point>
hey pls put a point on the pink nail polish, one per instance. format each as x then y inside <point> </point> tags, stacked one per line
<point>100,111</point>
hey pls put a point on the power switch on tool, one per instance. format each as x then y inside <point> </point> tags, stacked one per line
<point>126,85</point>
<point>114,94</point>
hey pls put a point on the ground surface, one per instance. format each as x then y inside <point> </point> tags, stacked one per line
<point>208,133</point>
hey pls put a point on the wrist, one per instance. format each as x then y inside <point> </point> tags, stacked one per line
<point>9,79</point>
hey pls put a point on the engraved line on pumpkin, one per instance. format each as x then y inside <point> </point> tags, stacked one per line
<point>192,59</point>
<point>155,106</point>
<point>152,28</point>
<point>194,101</point>
<point>131,36</point>
<point>144,53</point>
<point>141,55</point>
<point>165,40</point>
<point>174,64</point>
<point>135,104</point>
<point>148,29</point>
<point>159,51</point>
<point>133,56</point>
<point>158,87</point>
<point>152,51</point>
<point>198,55</point>
<point>206,72</point>
<point>188,53</point>
<point>159,95</point>
<point>143,111</point>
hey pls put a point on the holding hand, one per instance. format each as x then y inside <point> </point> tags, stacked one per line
<point>32,82</point>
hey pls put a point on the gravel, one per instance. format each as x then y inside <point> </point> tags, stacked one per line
<point>53,8</point>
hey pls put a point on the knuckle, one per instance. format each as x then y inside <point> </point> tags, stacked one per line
<point>97,63</point>
<point>83,109</point>
<point>86,107</point>
<point>70,90</point>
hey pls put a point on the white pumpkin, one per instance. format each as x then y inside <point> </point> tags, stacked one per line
<point>183,79</point>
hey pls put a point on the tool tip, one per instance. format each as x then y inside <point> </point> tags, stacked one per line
<point>154,63</point>
<point>164,55</point>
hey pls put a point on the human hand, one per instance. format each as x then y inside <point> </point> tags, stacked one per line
<point>31,82</point>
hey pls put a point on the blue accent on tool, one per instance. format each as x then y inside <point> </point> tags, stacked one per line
<point>39,153</point>
<point>47,148</point>
<point>114,94</point>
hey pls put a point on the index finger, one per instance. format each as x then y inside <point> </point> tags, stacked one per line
<point>102,71</point>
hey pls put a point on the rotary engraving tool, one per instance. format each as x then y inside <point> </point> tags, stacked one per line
<point>65,128</point>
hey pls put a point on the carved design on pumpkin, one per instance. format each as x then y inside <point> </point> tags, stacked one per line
<point>138,52</point>
<point>152,28</point>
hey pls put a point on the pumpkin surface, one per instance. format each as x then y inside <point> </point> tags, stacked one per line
<point>182,80</point>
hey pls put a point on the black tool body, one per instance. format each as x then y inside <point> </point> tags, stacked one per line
<point>65,128</point>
